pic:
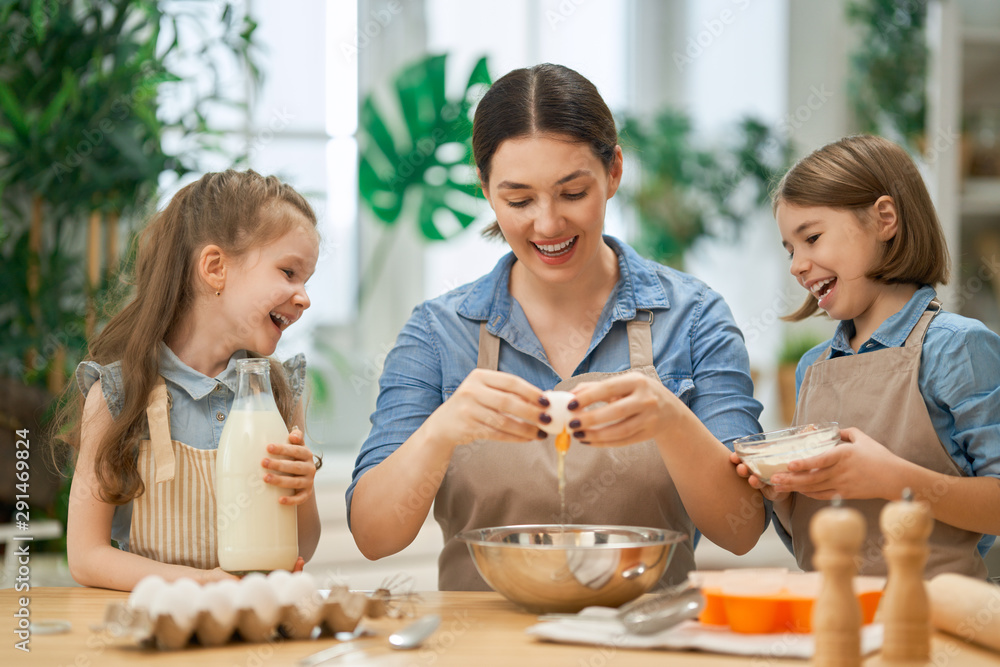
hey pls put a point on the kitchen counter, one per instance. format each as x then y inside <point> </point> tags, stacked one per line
<point>476,629</point>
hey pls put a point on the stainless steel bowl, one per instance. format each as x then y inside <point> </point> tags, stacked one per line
<point>552,568</point>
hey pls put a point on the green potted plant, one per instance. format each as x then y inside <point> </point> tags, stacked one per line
<point>689,190</point>
<point>420,169</point>
<point>81,154</point>
<point>887,82</point>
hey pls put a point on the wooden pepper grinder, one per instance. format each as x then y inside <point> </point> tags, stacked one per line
<point>837,533</point>
<point>906,525</point>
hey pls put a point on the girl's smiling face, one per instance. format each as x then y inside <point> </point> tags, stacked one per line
<point>265,290</point>
<point>831,252</point>
<point>549,194</point>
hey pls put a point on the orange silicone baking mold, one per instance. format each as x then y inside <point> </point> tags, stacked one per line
<point>788,609</point>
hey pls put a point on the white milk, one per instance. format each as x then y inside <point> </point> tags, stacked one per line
<point>255,531</point>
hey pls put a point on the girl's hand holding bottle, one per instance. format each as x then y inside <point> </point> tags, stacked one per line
<point>293,468</point>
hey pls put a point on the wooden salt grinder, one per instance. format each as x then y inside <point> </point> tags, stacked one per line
<point>837,533</point>
<point>906,525</point>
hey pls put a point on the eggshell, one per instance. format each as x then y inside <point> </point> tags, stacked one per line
<point>179,601</point>
<point>174,612</point>
<point>279,580</point>
<point>258,606</point>
<point>302,591</point>
<point>561,416</point>
<point>145,592</point>
<point>219,600</point>
<point>303,611</point>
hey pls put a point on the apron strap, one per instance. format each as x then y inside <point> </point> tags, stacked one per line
<point>157,415</point>
<point>640,340</point>
<point>489,349</point>
<point>640,344</point>
<point>916,337</point>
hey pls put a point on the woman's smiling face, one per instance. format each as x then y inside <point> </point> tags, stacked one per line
<point>549,194</point>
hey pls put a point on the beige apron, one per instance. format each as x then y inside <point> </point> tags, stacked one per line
<point>173,521</point>
<point>491,483</point>
<point>879,393</point>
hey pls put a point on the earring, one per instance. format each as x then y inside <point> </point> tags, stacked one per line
<point>218,293</point>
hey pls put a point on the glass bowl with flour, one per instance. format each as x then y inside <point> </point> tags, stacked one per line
<point>767,454</point>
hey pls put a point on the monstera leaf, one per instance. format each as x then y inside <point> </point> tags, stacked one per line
<point>423,161</point>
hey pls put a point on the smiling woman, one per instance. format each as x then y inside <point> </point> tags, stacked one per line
<point>657,367</point>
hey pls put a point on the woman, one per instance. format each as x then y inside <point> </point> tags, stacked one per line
<point>460,402</point>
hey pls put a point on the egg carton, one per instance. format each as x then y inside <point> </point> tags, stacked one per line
<point>173,615</point>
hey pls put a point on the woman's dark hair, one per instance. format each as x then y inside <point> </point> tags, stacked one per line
<point>544,99</point>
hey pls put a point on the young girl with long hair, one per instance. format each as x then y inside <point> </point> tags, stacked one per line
<point>916,389</point>
<point>220,273</point>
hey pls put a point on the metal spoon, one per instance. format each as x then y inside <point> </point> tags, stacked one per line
<point>409,637</point>
<point>414,634</point>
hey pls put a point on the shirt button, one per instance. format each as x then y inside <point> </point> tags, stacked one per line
<point>869,345</point>
<point>218,387</point>
<point>220,416</point>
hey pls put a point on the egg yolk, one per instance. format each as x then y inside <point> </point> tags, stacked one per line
<point>562,441</point>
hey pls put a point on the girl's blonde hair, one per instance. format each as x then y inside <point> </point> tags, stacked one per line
<point>851,174</point>
<point>237,211</point>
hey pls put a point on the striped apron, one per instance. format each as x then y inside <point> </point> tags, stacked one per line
<point>173,521</point>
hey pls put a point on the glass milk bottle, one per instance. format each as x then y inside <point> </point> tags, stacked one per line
<point>255,531</point>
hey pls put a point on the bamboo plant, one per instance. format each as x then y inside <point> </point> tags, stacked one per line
<point>85,137</point>
<point>82,145</point>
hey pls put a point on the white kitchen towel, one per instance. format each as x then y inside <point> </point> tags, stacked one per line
<point>600,626</point>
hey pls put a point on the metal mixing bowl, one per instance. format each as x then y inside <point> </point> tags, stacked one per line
<point>552,568</point>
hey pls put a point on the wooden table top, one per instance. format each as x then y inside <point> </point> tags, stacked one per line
<point>476,629</point>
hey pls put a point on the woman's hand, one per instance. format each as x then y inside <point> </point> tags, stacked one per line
<point>488,405</point>
<point>857,468</point>
<point>743,471</point>
<point>638,408</point>
<point>296,465</point>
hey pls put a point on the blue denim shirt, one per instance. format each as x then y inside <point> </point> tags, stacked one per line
<point>199,405</point>
<point>698,351</point>
<point>959,380</point>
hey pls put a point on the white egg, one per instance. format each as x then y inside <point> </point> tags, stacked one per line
<point>561,416</point>
<point>279,580</point>
<point>145,591</point>
<point>302,590</point>
<point>256,594</point>
<point>219,599</point>
<point>180,600</point>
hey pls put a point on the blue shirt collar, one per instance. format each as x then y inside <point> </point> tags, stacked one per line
<point>197,385</point>
<point>489,298</point>
<point>892,332</point>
